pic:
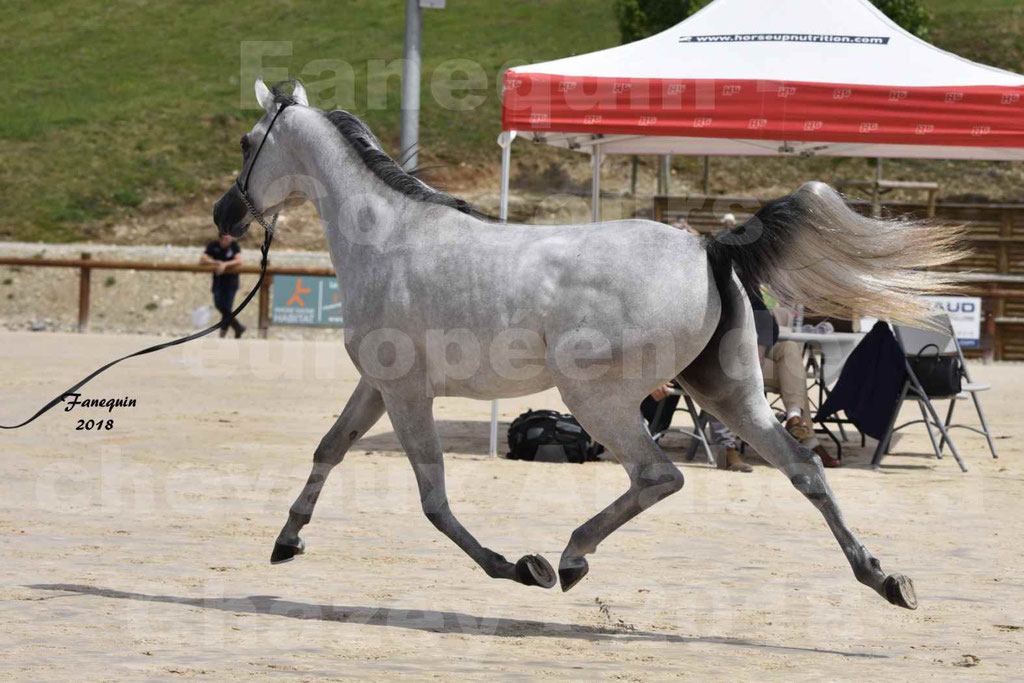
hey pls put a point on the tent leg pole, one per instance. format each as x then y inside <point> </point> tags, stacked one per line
<point>665,174</point>
<point>876,202</point>
<point>707,173</point>
<point>494,429</point>
<point>595,187</point>
<point>506,163</point>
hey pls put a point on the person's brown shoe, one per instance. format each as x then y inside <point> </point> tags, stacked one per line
<point>733,462</point>
<point>799,430</point>
<point>826,459</point>
<point>804,434</point>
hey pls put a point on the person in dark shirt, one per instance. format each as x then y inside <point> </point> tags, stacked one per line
<point>224,254</point>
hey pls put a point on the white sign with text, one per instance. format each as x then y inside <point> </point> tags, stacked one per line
<point>965,314</point>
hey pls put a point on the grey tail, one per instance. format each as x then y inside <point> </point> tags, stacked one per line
<point>810,248</point>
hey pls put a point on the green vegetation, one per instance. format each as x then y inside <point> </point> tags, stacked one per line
<point>113,109</point>
<point>986,31</point>
<point>910,14</point>
<point>641,18</point>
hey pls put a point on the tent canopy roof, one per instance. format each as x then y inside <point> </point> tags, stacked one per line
<point>779,77</point>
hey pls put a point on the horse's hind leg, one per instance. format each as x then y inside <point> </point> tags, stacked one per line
<point>413,421</point>
<point>362,411</point>
<point>735,395</point>
<point>617,423</point>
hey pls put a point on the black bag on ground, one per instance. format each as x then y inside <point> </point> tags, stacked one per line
<point>550,436</point>
<point>939,375</point>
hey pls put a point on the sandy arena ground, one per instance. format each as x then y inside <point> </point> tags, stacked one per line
<point>142,552</point>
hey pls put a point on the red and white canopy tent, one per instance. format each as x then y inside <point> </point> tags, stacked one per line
<point>767,78</point>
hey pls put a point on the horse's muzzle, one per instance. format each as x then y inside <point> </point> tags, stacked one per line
<point>230,214</point>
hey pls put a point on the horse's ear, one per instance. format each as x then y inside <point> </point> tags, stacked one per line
<point>264,96</point>
<point>299,94</point>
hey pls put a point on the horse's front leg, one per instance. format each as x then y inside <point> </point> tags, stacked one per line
<point>413,421</point>
<point>362,411</point>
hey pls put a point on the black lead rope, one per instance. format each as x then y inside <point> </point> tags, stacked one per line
<point>265,249</point>
<point>158,347</point>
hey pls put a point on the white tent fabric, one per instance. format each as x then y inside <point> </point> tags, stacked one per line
<point>824,41</point>
<point>773,77</point>
<point>767,78</point>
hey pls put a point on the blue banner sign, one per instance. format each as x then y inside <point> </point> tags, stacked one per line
<point>306,300</point>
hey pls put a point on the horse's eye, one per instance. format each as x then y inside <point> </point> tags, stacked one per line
<point>245,144</point>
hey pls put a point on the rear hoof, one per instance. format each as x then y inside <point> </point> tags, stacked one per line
<point>284,552</point>
<point>899,590</point>
<point>534,570</point>
<point>571,573</point>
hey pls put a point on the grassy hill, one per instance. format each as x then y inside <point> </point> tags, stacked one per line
<point>110,109</point>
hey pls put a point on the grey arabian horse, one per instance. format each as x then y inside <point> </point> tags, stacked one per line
<point>440,301</point>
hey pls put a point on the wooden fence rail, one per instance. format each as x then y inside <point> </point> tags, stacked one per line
<point>981,284</point>
<point>994,232</point>
<point>86,264</point>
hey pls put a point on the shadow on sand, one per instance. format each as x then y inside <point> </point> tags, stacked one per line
<point>425,620</point>
<point>470,437</point>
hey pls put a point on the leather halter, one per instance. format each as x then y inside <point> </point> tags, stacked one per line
<point>243,188</point>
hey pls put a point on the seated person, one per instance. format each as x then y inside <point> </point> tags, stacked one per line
<point>784,372</point>
<point>720,434</point>
<point>783,369</point>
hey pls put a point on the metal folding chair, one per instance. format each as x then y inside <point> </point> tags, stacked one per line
<point>814,372</point>
<point>912,340</point>
<point>969,388</point>
<point>697,434</point>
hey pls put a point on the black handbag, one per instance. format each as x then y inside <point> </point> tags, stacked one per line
<point>939,375</point>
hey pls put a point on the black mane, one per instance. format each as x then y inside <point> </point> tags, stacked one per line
<point>369,149</point>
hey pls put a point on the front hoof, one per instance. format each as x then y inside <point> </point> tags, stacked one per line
<point>572,572</point>
<point>285,552</point>
<point>899,590</point>
<point>534,570</point>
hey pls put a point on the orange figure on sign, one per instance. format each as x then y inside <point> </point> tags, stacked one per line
<point>297,296</point>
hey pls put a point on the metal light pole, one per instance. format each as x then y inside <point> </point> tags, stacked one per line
<point>411,83</point>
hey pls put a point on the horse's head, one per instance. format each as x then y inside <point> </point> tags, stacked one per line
<point>266,172</point>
